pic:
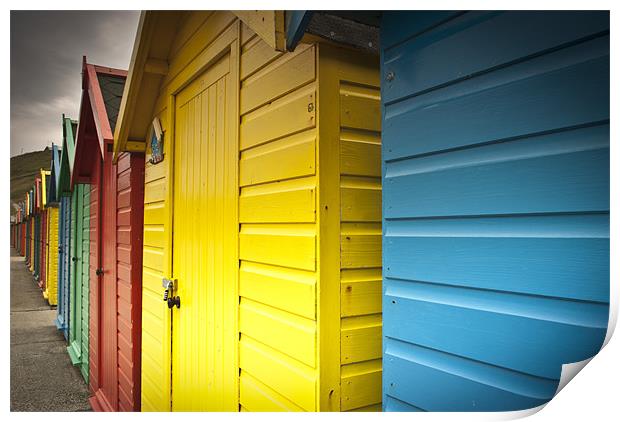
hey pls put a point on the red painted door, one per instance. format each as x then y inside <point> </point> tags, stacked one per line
<point>107,394</point>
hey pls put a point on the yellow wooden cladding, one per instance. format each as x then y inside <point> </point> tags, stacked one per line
<point>282,159</point>
<point>361,384</point>
<point>256,55</point>
<point>287,201</point>
<point>278,372</point>
<point>277,170</point>
<point>266,212</point>
<point>287,115</point>
<point>284,75</point>
<point>361,338</point>
<point>360,241</point>
<point>290,290</point>
<point>51,260</point>
<point>290,334</point>
<point>360,292</point>
<point>155,373</point>
<point>257,395</point>
<point>283,245</point>
<point>359,156</point>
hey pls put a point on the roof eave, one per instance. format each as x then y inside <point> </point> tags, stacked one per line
<point>131,91</point>
<point>91,93</point>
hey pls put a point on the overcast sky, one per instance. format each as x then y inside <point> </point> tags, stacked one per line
<point>46,64</point>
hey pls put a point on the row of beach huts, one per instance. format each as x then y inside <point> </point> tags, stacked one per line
<point>271,211</point>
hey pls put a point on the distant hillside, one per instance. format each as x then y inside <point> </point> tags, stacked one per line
<point>23,171</point>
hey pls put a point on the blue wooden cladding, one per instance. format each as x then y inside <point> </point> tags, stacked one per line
<point>495,150</point>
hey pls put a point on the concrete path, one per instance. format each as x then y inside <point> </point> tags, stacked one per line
<point>42,377</point>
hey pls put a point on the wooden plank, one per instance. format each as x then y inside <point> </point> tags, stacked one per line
<point>360,204</point>
<point>202,39</point>
<point>287,245</point>
<point>187,26</point>
<point>490,387</point>
<point>154,236</point>
<point>361,384</point>
<point>359,109</point>
<point>151,284</point>
<point>546,93</point>
<point>278,79</point>
<point>360,297</point>
<point>155,191</point>
<point>276,205</point>
<point>257,56</point>
<point>473,48</point>
<point>153,172</point>
<point>123,199</point>
<point>360,158</point>
<point>524,264</point>
<point>360,245</point>
<point>155,213</point>
<point>286,332</point>
<point>483,326</point>
<point>153,258</point>
<point>254,396</point>
<point>205,80</point>
<point>293,113</point>
<point>405,24</point>
<point>287,376</point>
<point>284,288</point>
<point>561,172</point>
<point>283,159</point>
<point>360,339</point>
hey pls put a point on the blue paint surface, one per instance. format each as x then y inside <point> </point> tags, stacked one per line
<point>297,21</point>
<point>52,198</point>
<point>495,149</point>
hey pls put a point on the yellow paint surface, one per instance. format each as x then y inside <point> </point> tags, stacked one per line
<point>360,236</point>
<point>204,337</point>
<point>44,173</point>
<point>270,226</point>
<point>51,285</point>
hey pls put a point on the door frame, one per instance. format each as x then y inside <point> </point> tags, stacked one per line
<point>229,42</point>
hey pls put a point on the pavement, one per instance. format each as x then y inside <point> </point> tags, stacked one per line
<point>42,376</point>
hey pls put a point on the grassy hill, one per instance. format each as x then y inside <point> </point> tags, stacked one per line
<point>23,171</point>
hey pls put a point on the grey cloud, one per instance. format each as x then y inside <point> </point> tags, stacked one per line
<point>46,58</point>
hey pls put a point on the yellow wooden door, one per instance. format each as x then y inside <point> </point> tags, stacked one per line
<point>204,335</point>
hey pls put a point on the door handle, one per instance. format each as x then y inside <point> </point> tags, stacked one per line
<point>174,301</point>
<point>73,258</point>
<point>168,286</point>
<point>99,271</point>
